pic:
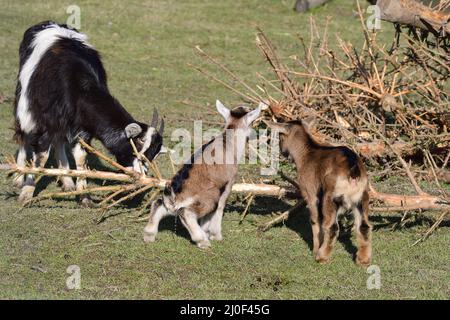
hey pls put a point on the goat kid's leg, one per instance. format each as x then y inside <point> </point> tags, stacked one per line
<point>190,221</point>
<point>215,226</point>
<point>40,158</point>
<point>63,163</point>
<point>330,228</point>
<point>363,231</point>
<point>80,155</point>
<point>315,223</point>
<point>157,212</point>
<point>205,223</point>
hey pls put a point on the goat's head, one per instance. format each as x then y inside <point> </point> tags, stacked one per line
<point>289,133</point>
<point>146,138</point>
<point>239,118</point>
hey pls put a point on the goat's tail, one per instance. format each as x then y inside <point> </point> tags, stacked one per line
<point>355,171</point>
<point>354,163</point>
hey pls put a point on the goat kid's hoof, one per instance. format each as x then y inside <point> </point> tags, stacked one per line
<point>87,203</point>
<point>149,237</point>
<point>215,237</point>
<point>204,244</point>
<point>321,259</point>
<point>362,261</point>
<point>26,194</point>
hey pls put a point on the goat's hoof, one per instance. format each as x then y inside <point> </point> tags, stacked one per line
<point>87,203</point>
<point>362,261</point>
<point>26,194</point>
<point>67,186</point>
<point>322,259</point>
<point>149,237</point>
<point>216,237</point>
<point>204,244</point>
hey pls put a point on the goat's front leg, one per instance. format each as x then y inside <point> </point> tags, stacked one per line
<point>190,220</point>
<point>363,231</point>
<point>39,159</point>
<point>330,228</point>
<point>80,155</point>
<point>21,161</point>
<point>157,212</point>
<point>215,224</point>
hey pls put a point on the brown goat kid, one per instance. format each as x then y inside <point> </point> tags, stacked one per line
<point>332,180</point>
<point>198,192</point>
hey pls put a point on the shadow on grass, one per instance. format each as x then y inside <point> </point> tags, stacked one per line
<point>299,222</point>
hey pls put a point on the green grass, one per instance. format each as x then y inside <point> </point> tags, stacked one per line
<point>146,48</point>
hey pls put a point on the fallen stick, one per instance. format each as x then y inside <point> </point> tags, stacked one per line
<point>280,218</point>
<point>400,202</point>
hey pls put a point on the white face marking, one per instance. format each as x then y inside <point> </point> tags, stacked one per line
<point>42,41</point>
<point>147,139</point>
<point>137,165</point>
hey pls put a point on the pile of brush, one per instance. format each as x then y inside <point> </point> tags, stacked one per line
<point>389,102</point>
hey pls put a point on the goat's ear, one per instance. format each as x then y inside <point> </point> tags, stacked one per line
<point>280,127</point>
<point>309,122</point>
<point>132,130</point>
<point>252,115</point>
<point>224,111</point>
<point>161,129</point>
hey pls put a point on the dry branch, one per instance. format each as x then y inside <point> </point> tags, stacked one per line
<point>415,14</point>
<point>399,202</point>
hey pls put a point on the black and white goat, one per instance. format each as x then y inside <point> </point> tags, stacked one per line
<point>61,95</point>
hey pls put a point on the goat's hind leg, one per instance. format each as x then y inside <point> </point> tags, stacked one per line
<point>205,223</point>
<point>40,157</point>
<point>330,228</point>
<point>215,224</point>
<point>157,212</point>
<point>363,231</point>
<point>190,220</point>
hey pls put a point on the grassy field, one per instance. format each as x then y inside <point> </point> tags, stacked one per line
<point>147,47</point>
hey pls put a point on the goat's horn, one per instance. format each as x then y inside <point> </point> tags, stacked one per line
<point>161,129</point>
<point>154,122</point>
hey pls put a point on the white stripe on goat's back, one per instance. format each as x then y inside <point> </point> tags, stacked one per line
<point>42,41</point>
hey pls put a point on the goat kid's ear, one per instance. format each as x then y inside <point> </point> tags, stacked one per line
<point>252,116</point>
<point>224,111</point>
<point>309,122</point>
<point>132,130</point>
<point>280,127</point>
